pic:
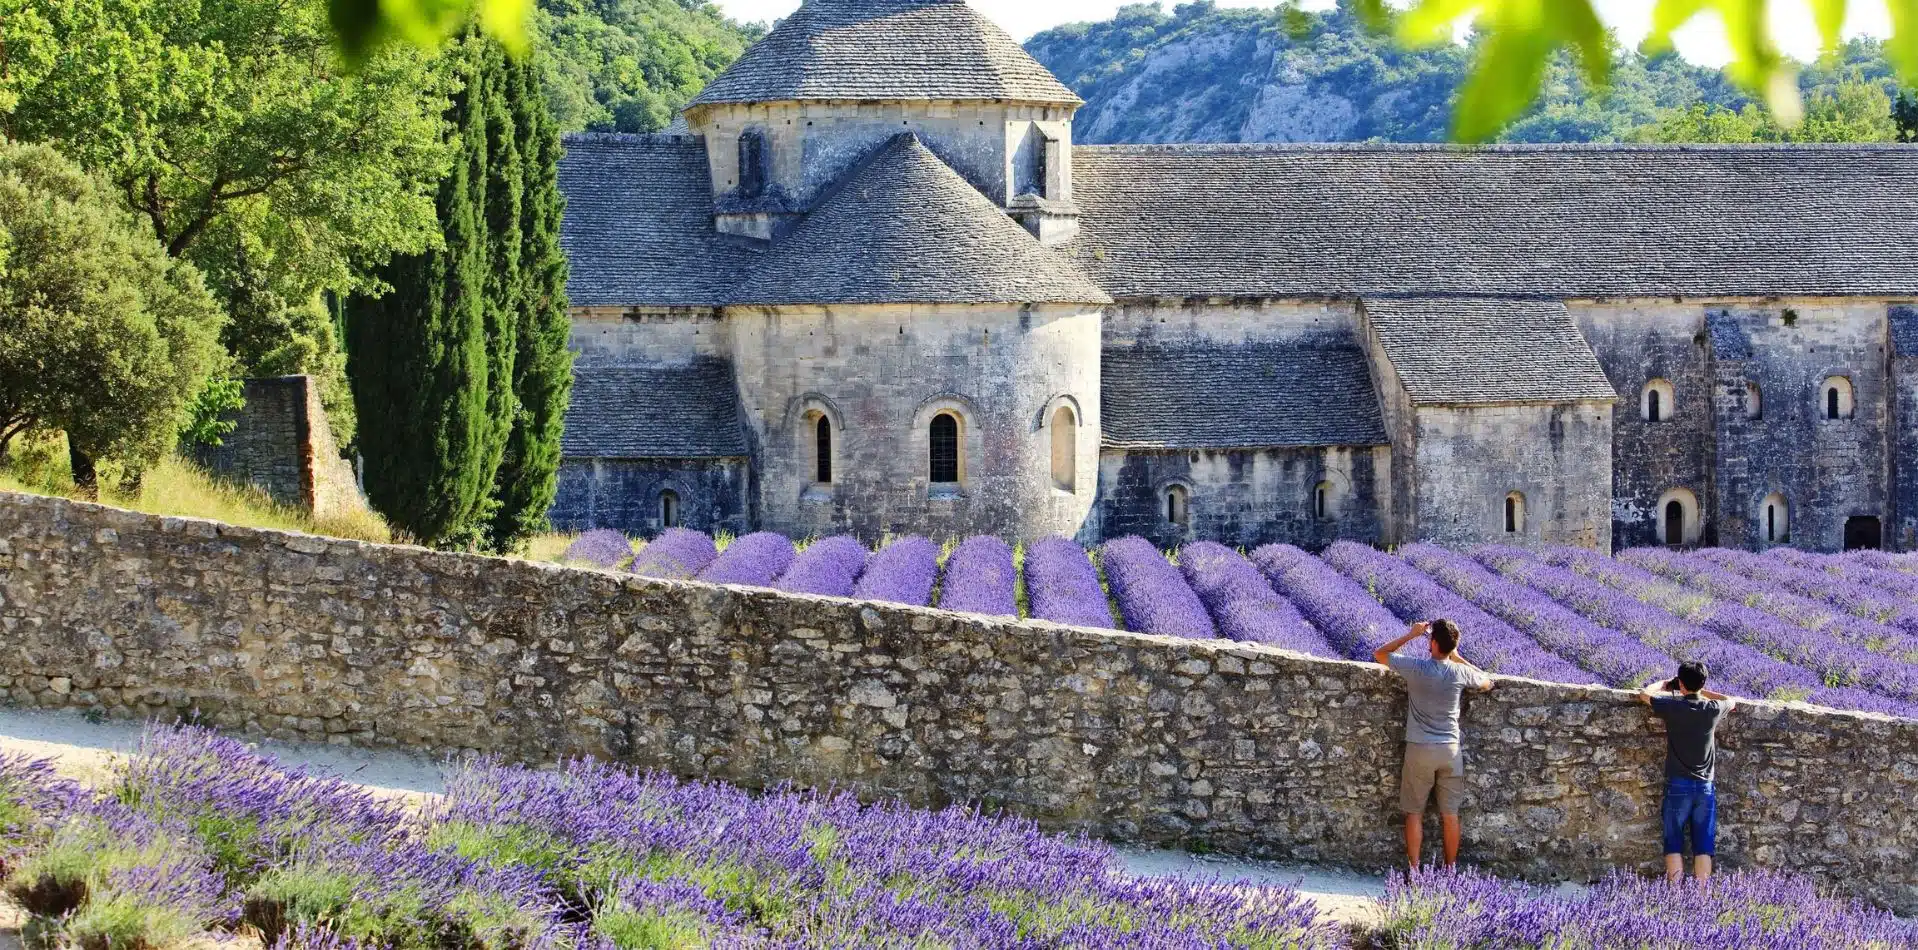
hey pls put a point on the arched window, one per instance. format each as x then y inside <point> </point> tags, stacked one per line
<point>1835,400</point>
<point>1514,513</point>
<point>1677,517</point>
<point>669,509</point>
<point>1178,508</point>
<point>1322,501</point>
<point>1065,449</point>
<point>1754,402</point>
<point>943,447</point>
<point>752,163</point>
<point>1774,519</point>
<point>1656,403</point>
<point>822,450</point>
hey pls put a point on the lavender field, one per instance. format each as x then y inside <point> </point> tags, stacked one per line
<point>197,840</point>
<point>1837,630</point>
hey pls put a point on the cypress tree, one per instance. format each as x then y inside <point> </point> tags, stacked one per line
<point>543,366</point>
<point>504,295</point>
<point>418,356</point>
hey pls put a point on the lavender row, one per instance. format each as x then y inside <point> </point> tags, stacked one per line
<point>1153,595</point>
<point>1489,641</point>
<point>1242,602</point>
<point>980,578</point>
<point>1708,573</point>
<point>1853,600</point>
<point>1352,622</point>
<point>903,572</point>
<point>1063,586</point>
<point>1838,661</point>
<point>1857,567</point>
<point>828,566</point>
<point>756,560</point>
<point>677,554</point>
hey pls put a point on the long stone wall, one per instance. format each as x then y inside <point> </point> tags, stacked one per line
<point>1236,747</point>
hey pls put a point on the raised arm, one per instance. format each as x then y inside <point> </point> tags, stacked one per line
<point>1383,655</point>
<point>1653,688</point>
<point>1714,695</point>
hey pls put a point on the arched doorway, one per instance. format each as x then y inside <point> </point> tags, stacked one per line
<point>1674,522</point>
<point>1864,533</point>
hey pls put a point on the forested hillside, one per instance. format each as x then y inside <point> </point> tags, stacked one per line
<point>628,65</point>
<point>1202,74</point>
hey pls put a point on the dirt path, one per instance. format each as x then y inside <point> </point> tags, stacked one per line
<point>85,751</point>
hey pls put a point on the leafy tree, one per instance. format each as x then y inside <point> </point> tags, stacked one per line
<point>102,335</point>
<point>1904,114</point>
<point>417,356</point>
<point>542,365</point>
<point>630,65</point>
<point>1851,112</point>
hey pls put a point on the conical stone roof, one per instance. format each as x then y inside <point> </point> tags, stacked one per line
<point>905,228</point>
<point>885,50</point>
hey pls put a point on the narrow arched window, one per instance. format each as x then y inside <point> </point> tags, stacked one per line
<point>1674,522</point>
<point>1777,518</point>
<point>1754,402</point>
<point>1319,508</point>
<point>822,450</point>
<point>943,438</point>
<point>1177,505</point>
<point>752,163</point>
<point>1837,401</point>
<point>1065,449</point>
<point>669,509</point>
<point>1831,402</point>
<point>1656,404</point>
<point>1652,408</point>
<point>1514,513</point>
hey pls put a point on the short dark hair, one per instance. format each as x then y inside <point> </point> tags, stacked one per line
<point>1691,675</point>
<point>1445,634</point>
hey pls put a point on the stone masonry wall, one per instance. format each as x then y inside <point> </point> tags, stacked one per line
<point>1237,747</point>
<point>282,444</point>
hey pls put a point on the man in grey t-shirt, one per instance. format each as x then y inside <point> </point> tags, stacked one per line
<point>1432,756</point>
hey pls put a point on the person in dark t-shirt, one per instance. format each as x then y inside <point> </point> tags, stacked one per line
<point>1691,713</point>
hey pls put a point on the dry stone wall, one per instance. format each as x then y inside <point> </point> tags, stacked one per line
<point>1236,747</point>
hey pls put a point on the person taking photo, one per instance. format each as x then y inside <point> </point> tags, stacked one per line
<point>1691,713</point>
<point>1433,759</point>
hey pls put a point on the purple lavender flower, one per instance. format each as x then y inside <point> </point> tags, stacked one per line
<point>1351,619</point>
<point>828,566</point>
<point>1853,601</point>
<point>902,572</point>
<point>1062,586</point>
<point>601,547</point>
<point>755,560</point>
<point>677,554</point>
<point>1243,603</point>
<point>1488,640</point>
<point>980,578</point>
<point>1153,595</point>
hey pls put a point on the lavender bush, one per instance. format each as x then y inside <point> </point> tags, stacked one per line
<point>1063,586</point>
<point>980,578</point>
<point>1454,910</point>
<point>1488,641</point>
<point>756,560</point>
<point>1153,595</point>
<point>902,572</point>
<point>1352,621</point>
<point>602,548</point>
<point>677,554</point>
<point>828,566</point>
<point>1243,603</point>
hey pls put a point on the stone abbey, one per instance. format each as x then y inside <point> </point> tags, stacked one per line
<point>870,285</point>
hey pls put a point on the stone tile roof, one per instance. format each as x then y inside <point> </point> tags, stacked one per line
<point>1904,330</point>
<point>638,226</point>
<point>1728,338</point>
<point>1255,395</point>
<point>885,49</point>
<point>905,228</point>
<point>1548,221</point>
<point>1464,351</point>
<point>654,412</point>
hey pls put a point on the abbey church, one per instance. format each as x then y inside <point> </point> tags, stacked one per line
<point>870,285</point>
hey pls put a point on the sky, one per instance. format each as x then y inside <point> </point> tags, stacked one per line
<point>1702,41</point>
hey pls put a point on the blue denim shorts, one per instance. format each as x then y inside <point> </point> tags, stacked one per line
<point>1690,805</point>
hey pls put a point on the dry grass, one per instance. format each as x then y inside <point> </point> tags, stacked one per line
<point>178,487</point>
<point>548,547</point>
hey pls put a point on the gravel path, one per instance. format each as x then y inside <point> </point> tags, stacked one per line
<point>85,751</point>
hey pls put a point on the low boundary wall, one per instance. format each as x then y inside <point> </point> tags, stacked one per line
<point>1234,747</point>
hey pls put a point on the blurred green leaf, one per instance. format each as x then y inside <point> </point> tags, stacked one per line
<point>361,27</point>
<point>1518,40</point>
<point>1902,47</point>
<point>1830,15</point>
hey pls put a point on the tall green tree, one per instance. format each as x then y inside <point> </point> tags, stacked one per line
<point>542,365</point>
<point>1848,112</point>
<point>102,335</point>
<point>418,355</point>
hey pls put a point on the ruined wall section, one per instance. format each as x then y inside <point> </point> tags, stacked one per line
<point>880,374</point>
<point>1233,747</point>
<point>282,445</point>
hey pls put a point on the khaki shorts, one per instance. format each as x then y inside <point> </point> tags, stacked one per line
<point>1429,765</point>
